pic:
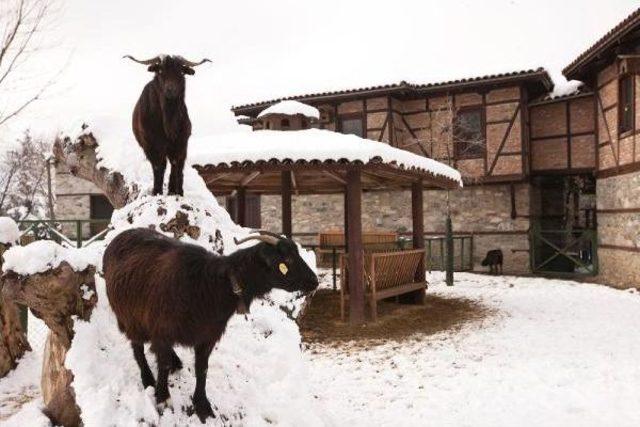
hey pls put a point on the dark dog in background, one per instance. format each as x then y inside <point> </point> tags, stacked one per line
<point>494,261</point>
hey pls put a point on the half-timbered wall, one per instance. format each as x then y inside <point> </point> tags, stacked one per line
<point>563,135</point>
<point>617,152</point>
<point>423,126</point>
<point>618,200</point>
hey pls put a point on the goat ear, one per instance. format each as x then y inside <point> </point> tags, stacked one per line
<point>153,68</point>
<point>188,70</point>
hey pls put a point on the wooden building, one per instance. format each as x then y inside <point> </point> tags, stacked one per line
<point>552,181</point>
<point>479,126</point>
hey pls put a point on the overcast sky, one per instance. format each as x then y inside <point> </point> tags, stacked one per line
<point>268,49</point>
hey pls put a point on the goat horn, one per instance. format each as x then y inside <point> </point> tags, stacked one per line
<point>268,233</point>
<point>144,61</point>
<point>267,239</point>
<point>191,63</point>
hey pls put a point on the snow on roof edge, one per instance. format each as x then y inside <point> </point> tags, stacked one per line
<point>307,145</point>
<point>291,108</point>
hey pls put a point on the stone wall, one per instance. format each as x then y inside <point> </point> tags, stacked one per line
<point>618,201</point>
<point>484,211</point>
<point>73,200</point>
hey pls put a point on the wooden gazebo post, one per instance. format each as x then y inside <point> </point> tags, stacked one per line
<point>241,206</point>
<point>287,227</point>
<point>417,214</point>
<point>354,237</point>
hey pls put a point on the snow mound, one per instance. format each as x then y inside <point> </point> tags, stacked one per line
<point>43,255</point>
<point>257,375</point>
<point>9,232</point>
<point>291,108</point>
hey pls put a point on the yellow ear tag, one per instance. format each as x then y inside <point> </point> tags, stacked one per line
<point>283,268</point>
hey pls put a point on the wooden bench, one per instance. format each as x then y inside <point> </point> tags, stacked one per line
<point>387,274</point>
<point>331,241</point>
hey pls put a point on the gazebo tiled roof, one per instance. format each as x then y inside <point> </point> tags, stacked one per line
<point>318,159</point>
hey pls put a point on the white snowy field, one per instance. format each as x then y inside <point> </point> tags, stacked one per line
<point>552,353</point>
<point>555,353</point>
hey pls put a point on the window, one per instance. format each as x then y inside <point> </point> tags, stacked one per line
<point>284,123</point>
<point>352,125</point>
<point>468,134</point>
<point>625,104</point>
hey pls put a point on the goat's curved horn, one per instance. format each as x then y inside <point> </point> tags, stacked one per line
<point>191,63</point>
<point>268,233</point>
<point>267,239</point>
<point>144,61</point>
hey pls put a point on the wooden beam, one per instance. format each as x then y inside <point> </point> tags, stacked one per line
<point>355,254</point>
<point>335,177</point>
<point>286,204</point>
<point>247,179</point>
<point>294,183</point>
<point>216,178</point>
<point>417,214</point>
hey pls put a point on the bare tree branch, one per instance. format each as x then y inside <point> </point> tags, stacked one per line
<point>23,21</point>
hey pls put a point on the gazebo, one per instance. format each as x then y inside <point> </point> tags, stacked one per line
<point>315,161</point>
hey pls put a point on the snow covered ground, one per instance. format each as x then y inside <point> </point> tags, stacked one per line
<point>553,353</point>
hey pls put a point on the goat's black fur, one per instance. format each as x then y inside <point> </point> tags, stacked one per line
<point>168,292</point>
<point>494,260</point>
<point>161,122</point>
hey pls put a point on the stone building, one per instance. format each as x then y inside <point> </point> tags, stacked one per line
<point>543,175</point>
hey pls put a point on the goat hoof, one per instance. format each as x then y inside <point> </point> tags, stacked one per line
<point>203,409</point>
<point>162,406</point>
<point>148,382</point>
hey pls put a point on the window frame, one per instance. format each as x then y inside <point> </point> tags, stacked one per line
<point>622,128</point>
<point>352,116</point>
<point>458,154</point>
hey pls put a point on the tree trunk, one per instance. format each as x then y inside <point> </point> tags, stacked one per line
<point>80,158</point>
<point>55,296</point>
<point>13,339</point>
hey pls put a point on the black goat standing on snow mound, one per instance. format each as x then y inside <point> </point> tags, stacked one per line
<point>170,293</point>
<point>161,122</point>
<point>494,261</point>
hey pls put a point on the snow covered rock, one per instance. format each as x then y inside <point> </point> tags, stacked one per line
<point>43,255</point>
<point>9,232</point>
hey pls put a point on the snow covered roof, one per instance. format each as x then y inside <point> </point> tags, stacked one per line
<point>291,108</point>
<point>239,152</point>
<point>538,75</point>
